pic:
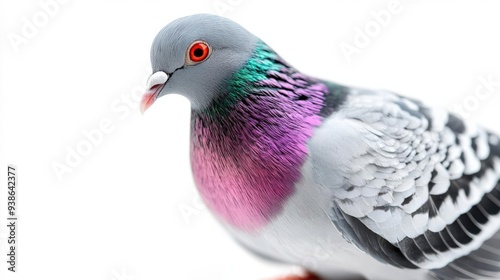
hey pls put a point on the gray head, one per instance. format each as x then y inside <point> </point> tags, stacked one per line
<point>195,56</point>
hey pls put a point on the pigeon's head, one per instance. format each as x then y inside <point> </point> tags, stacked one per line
<point>196,56</point>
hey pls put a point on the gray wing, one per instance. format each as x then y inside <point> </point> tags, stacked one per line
<point>411,185</point>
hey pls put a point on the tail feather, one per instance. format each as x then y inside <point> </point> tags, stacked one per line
<point>484,263</point>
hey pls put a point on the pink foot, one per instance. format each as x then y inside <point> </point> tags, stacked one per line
<point>306,276</point>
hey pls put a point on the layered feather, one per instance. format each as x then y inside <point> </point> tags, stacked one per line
<point>408,181</point>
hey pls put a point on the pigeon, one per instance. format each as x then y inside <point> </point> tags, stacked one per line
<point>344,182</point>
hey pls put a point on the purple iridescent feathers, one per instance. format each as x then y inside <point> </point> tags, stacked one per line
<point>247,149</point>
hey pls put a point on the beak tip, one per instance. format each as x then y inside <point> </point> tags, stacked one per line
<point>143,108</point>
<point>155,84</point>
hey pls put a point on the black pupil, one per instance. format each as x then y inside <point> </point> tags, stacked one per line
<point>198,52</point>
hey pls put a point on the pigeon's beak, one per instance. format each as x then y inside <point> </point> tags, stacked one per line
<point>155,84</point>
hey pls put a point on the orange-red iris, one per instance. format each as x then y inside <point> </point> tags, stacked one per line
<point>198,52</point>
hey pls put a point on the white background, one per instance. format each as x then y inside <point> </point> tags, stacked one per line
<point>118,214</point>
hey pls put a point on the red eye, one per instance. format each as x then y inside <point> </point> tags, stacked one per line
<point>198,51</point>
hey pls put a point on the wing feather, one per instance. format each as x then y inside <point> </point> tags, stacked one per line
<point>408,181</point>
